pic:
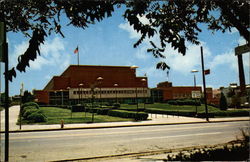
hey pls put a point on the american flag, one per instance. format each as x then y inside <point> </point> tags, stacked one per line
<point>76,50</point>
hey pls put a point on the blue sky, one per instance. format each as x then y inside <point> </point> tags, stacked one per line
<point>110,42</point>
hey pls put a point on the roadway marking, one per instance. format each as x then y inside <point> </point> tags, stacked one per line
<point>109,133</point>
<point>176,136</point>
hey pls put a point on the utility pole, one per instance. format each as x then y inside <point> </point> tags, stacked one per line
<point>4,58</point>
<point>238,52</point>
<point>204,84</point>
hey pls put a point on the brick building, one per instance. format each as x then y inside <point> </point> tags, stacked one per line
<point>166,91</point>
<point>79,83</point>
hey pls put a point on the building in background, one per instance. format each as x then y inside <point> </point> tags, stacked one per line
<point>166,91</point>
<point>234,97</point>
<point>81,83</point>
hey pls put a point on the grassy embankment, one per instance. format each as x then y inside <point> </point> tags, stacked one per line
<point>163,108</point>
<point>55,115</point>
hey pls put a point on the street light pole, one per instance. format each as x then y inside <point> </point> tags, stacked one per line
<point>143,83</point>
<point>116,85</point>
<point>55,98</point>
<point>195,71</point>
<point>99,79</point>
<point>62,96</point>
<point>80,93</point>
<point>68,88</point>
<point>134,67</point>
<point>204,84</point>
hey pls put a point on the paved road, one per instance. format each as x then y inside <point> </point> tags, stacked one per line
<point>59,145</point>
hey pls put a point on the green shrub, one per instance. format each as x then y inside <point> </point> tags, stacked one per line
<point>30,104</point>
<point>77,108</point>
<point>223,102</point>
<point>184,102</point>
<point>116,105</point>
<point>28,112</point>
<point>128,114</point>
<point>37,117</point>
<point>93,110</point>
<point>27,108</point>
<point>226,153</point>
<point>103,111</point>
<point>132,109</point>
<point>132,103</point>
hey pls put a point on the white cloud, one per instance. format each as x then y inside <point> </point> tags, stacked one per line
<point>177,62</point>
<point>192,59</point>
<point>227,58</point>
<point>52,54</point>
<point>132,33</point>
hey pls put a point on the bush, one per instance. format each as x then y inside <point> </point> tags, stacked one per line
<point>184,102</point>
<point>132,109</point>
<point>37,117</point>
<point>116,105</point>
<point>226,153</point>
<point>28,111</point>
<point>78,108</point>
<point>128,114</point>
<point>93,110</point>
<point>223,102</point>
<point>27,108</point>
<point>109,104</point>
<point>35,105</point>
<point>103,111</point>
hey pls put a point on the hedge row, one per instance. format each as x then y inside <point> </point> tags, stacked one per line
<point>232,113</point>
<point>128,114</point>
<point>184,102</point>
<point>132,109</point>
<point>30,112</point>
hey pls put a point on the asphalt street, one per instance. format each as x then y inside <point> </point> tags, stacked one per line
<point>74,144</point>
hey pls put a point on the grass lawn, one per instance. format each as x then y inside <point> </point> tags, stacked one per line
<point>54,116</point>
<point>164,108</point>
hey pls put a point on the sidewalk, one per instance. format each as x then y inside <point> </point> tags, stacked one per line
<point>155,119</point>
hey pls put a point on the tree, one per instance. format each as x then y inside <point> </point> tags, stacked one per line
<point>27,97</point>
<point>223,102</point>
<point>173,21</point>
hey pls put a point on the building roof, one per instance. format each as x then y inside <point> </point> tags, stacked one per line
<point>124,76</point>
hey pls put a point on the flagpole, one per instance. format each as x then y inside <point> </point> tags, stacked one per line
<point>78,56</point>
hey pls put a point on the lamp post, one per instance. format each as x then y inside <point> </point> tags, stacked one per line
<point>61,96</point>
<point>55,98</point>
<point>143,84</point>
<point>134,67</point>
<point>116,85</point>
<point>92,100</point>
<point>195,71</point>
<point>99,80</point>
<point>80,93</point>
<point>68,88</point>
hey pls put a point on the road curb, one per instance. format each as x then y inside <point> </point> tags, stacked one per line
<point>119,126</point>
